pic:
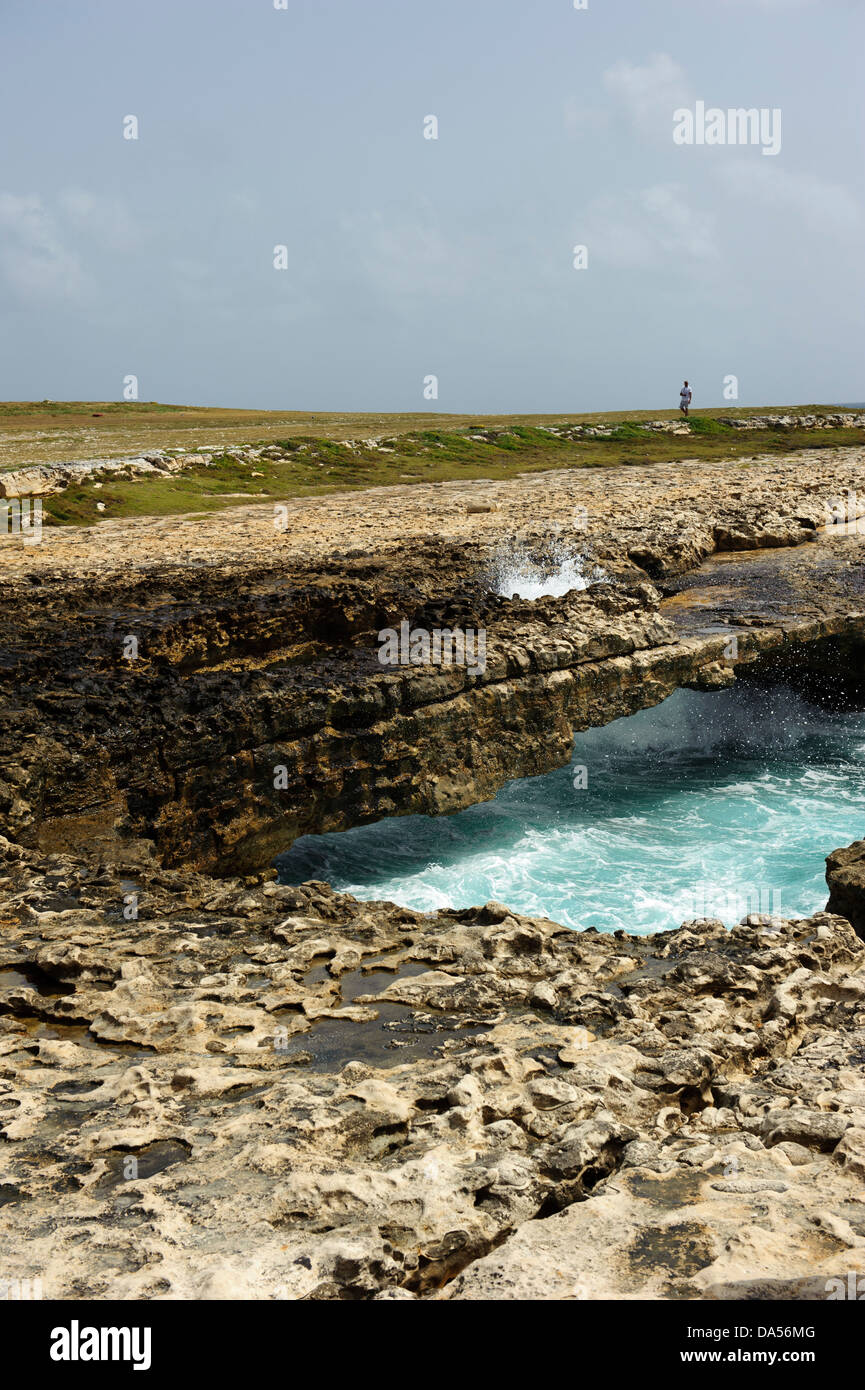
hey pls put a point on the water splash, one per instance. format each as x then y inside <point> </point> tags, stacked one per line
<point>520,574</point>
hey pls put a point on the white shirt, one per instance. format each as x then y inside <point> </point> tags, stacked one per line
<point>685,393</point>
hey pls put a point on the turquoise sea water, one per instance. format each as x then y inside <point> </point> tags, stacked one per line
<point>710,805</point>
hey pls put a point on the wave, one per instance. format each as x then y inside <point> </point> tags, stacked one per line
<point>516,574</point>
<point>703,806</point>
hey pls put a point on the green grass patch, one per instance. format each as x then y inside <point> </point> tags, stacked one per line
<point>313,467</point>
<point>704,425</point>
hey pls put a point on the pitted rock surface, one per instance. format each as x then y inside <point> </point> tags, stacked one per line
<point>211,1101</point>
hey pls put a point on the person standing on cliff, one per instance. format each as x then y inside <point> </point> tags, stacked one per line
<point>685,399</point>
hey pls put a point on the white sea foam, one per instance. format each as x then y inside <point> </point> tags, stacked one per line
<point>518,574</point>
<point>707,805</point>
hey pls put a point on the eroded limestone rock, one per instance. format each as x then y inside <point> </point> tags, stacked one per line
<point>261,1092</point>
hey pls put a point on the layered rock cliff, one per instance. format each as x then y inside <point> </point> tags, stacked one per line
<point>845,874</point>
<point>207,690</point>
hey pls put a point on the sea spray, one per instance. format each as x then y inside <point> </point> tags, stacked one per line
<point>517,572</point>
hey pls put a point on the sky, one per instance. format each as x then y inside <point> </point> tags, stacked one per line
<point>408,258</point>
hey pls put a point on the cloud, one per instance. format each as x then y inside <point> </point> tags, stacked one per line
<point>773,4</point>
<point>35,261</point>
<point>828,208</point>
<point>105,222</point>
<point>61,249</point>
<point>651,91</point>
<point>407,257</point>
<point>584,120</point>
<point>653,227</point>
